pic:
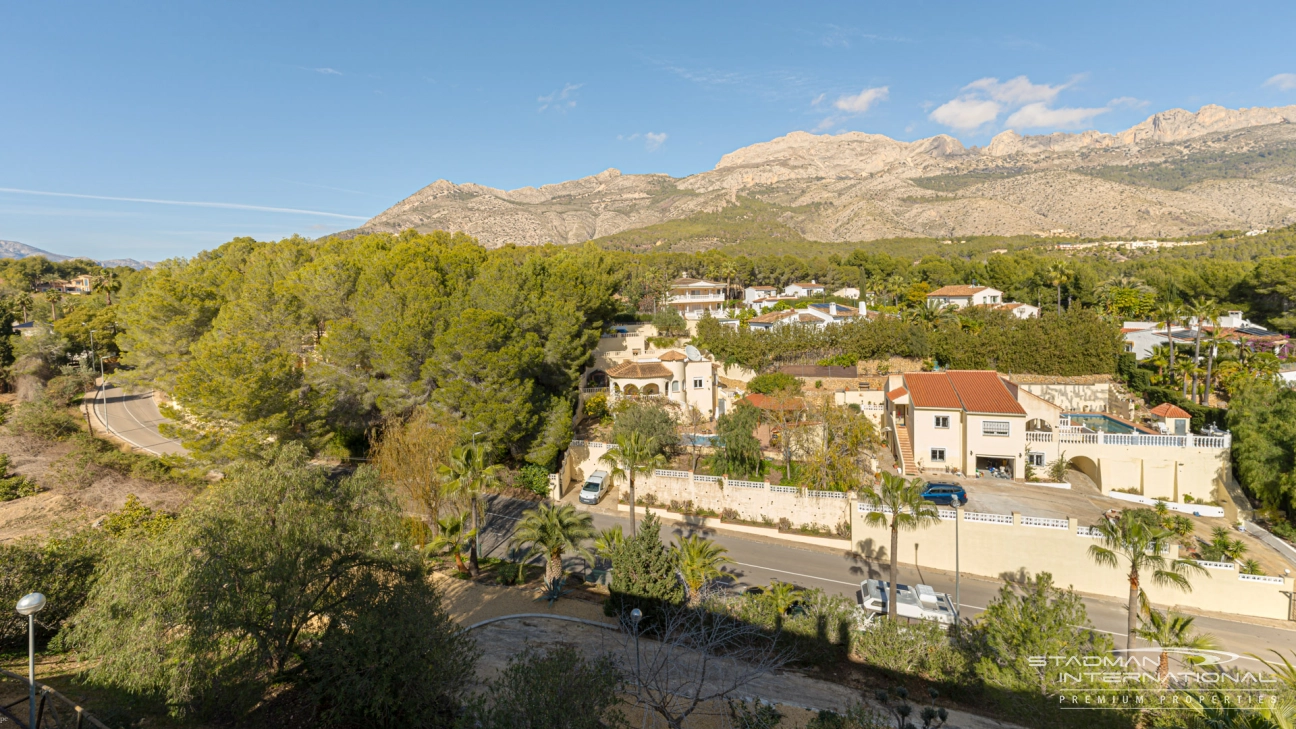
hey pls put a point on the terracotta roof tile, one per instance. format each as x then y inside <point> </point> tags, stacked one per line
<point>765,402</point>
<point>672,356</point>
<point>896,394</point>
<point>638,371</point>
<point>957,290</point>
<point>772,316</point>
<point>983,391</point>
<point>932,390</point>
<point>1168,410</point>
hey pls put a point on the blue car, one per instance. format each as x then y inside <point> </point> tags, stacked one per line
<point>945,494</point>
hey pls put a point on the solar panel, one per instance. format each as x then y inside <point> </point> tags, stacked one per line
<point>1256,331</point>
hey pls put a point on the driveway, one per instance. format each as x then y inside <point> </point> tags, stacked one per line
<point>134,417</point>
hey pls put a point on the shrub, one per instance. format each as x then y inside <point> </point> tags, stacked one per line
<point>557,687</point>
<point>5,411</point>
<point>670,322</point>
<point>61,567</point>
<point>65,390</point>
<point>772,382</point>
<point>643,574</point>
<point>918,649</point>
<point>730,514</point>
<point>17,487</point>
<point>596,408</point>
<point>533,478</point>
<point>45,420</point>
<point>651,420</point>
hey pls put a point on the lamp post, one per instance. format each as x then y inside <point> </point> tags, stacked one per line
<point>29,605</point>
<point>474,437</point>
<point>635,616</point>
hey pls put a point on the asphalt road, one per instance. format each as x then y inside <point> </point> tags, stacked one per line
<point>758,562</point>
<point>134,418</point>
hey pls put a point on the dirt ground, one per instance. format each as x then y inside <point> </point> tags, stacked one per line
<point>76,493</point>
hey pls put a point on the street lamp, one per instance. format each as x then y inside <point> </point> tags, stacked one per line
<point>635,616</point>
<point>29,605</point>
<point>474,437</point>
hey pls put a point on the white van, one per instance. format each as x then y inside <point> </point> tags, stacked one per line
<point>595,486</point>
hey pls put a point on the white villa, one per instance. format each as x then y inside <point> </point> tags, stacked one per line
<point>973,421</point>
<point>803,289</point>
<point>693,297</point>
<point>815,315</point>
<point>962,296</point>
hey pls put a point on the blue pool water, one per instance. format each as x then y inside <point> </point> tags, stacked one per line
<point>701,439</point>
<point>1100,423</point>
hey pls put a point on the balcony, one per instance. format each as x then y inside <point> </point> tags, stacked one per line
<point>1137,439</point>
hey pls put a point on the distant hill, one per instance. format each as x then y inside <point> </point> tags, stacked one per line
<point>1176,173</point>
<point>14,249</point>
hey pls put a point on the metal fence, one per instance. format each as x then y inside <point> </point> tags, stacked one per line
<point>53,709</point>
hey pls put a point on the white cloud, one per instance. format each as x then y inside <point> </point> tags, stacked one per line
<point>185,203</point>
<point>560,100</point>
<point>1282,81</point>
<point>327,71</point>
<point>860,103</point>
<point>652,140</point>
<point>1015,91</point>
<point>965,113</point>
<point>1039,114</point>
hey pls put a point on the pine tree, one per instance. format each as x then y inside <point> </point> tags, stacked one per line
<point>643,574</point>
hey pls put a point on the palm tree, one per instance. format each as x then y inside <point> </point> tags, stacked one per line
<point>1203,310</point>
<point>908,511</point>
<point>699,562</point>
<point>608,542</point>
<point>781,596</point>
<point>554,530</point>
<point>452,536</point>
<point>634,454</point>
<point>1172,631</point>
<point>1212,351</point>
<point>1058,274</point>
<point>468,475</point>
<point>24,300</point>
<point>1138,542</point>
<point>1171,314</point>
<point>53,297</point>
<point>109,283</point>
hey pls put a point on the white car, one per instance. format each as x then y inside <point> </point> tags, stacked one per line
<point>595,486</point>
<point>918,601</point>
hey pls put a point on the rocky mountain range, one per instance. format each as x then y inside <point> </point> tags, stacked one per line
<point>14,249</point>
<point>1176,173</point>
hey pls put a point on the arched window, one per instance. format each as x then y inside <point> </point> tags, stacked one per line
<point>674,385</point>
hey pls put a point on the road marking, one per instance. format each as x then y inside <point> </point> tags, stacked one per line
<point>796,574</point>
<point>147,430</point>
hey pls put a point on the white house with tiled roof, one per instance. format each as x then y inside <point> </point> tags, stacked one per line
<point>752,294</point>
<point>694,297</point>
<point>961,296</point>
<point>1019,310</point>
<point>670,375</point>
<point>802,289</point>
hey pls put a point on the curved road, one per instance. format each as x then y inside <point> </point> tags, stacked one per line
<point>134,418</point>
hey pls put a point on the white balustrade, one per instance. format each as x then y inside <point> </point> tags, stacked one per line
<point>706,479</point>
<point>826,494</point>
<point>780,489</point>
<point>1039,521</point>
<point>1215,565</point>
<point>666,473</point>
<point>1261,578</point>
<point>751,484</point>
<point>987,518</point>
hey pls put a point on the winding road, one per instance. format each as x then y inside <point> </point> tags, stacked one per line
<point>134,418</point>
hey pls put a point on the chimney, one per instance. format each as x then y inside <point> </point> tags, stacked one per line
<point>832,308</point>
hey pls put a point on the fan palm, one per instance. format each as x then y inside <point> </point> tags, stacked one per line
<point>900,506</point>
<point>1170,631</point>
<point>608,542</point>
<point>699,561</point>
<point>1058,275</point>
<point>468,476</point>
<point>452,535</point>
<point>635,454</point>
<point>1212,351</point>
<point>1138,543</point>
<point>555,530</point>
<point>781,596</point>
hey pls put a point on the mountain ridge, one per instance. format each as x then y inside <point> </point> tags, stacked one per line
<point>1175,173</point>
<point>16,250</point>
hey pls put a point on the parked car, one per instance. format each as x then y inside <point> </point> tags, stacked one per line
<point>912,601</point>
<point>945,494</point>
<point>595,486</point>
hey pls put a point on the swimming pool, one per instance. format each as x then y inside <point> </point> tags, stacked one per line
<point>1100,423</point>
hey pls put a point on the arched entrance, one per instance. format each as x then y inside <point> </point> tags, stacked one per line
<point>1038,425</point>
<point>1086,465</point>
<point>650,389</point>
<point>596,378</point>
<point>630,391</point>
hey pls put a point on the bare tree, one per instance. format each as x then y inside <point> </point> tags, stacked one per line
<point>409,456</point>
<point>694,660</point>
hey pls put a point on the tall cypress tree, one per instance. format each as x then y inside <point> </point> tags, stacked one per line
<point>644,574</point>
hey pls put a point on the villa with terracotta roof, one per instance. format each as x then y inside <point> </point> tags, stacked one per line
<point>980,422</point>
<point>670,375</point>
<point>960,296</point>
<point>802,289</point>
<point>694,297</point>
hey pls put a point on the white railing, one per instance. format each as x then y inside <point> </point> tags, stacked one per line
<point>1039,521</point>
<point>826,494</point>
<point>1038,437</point>
<point>1261,578</point>
<point>1084,531</point>
<point>748,484</point>
<point>866,508</point>
<point>706,479</point>
<point>987,518</point>
<point>666,473</point>
<point>1215,565</point>
<point>779,489</point>
<point>593,444</point>
<point>1136,439</point>
<point>947,514</point>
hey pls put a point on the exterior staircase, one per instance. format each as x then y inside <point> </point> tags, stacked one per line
<point>908,466</point>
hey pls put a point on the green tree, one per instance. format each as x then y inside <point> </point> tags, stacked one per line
<point>1169,631</point>
<point>609,541</point>
<point>908,511</point>
<point>1262,419</point>
<point>557,688</point>
<point>771,382</point>
<point>1138,542</point>
<point>453,535</point>
<point>554,530</point>
<point>468,476</point>
<point>699,560</point>
<point>651,420</point>
<point>1202,310</point>
<point>1058,275</point>
<point>634,455</point>
<point>1170,314</point>
<point>738,452</point>
<point>1026,620</point>
<point>643,574</point>
<point>231,599</point>
<point>669,323</point>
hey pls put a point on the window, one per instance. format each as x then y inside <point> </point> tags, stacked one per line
<point>994,427</point>
<point>1035,459</point>
<point>697,383</point>
<point>938,455</point>
<point>674,385</point>
<point>942,421</point>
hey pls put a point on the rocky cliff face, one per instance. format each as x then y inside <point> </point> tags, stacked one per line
<point>1175,173</point>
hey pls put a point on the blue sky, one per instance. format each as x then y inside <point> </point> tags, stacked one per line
<point>278,113</point>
